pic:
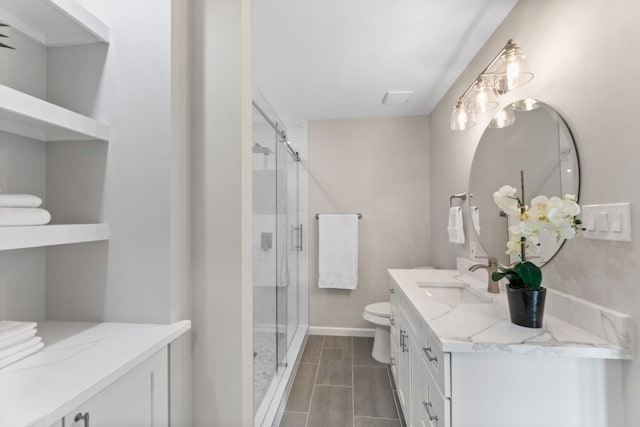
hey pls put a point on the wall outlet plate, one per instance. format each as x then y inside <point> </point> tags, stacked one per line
<point>473,252</point>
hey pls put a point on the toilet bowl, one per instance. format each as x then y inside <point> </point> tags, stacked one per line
<point>380,314</point>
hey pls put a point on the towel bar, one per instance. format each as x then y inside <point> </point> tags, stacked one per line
<point>461,196</point>
<point>318,215</point>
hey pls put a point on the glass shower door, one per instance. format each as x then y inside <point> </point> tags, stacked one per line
<point>282,234</point>
<point>265,272</point>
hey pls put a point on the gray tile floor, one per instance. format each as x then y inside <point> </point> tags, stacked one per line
<point>339,384</point>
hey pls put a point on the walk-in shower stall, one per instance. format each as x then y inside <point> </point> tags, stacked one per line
<point>279,296</point>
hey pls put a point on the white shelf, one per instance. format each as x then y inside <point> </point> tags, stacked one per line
<point>32,117</point>
<point>79,359</point>
<point>54,22</point>
<point>49,235</point>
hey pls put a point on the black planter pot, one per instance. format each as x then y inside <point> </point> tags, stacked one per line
<point>526,306</point>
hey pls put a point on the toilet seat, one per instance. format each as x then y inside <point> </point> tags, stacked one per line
<point>380,309</point>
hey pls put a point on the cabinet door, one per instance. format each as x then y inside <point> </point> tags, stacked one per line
<point>403,384</point>
<point>140,398</point>
<point>417,373</point>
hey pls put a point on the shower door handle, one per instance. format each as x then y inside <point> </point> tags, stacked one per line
<point>298,240</point>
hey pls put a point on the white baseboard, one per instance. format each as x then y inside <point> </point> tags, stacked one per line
<point>341,332</point>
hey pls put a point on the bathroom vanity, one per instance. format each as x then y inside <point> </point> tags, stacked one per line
<point>98,374</point>
<point>458,361</point>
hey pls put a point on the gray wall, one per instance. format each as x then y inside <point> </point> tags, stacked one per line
<point>584,55</point>
<point>378,167</point>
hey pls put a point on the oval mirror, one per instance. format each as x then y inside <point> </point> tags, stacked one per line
<point>535,139</point>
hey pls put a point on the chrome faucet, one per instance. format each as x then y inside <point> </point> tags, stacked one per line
<point>492,286</point>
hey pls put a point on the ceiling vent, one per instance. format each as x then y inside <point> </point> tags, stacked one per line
<point>396,97</point>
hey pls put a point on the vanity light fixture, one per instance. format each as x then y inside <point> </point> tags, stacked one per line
<point>506,71</point>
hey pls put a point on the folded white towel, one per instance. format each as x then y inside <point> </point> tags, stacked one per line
<point>23,216</point>
<point>475,218</point>
<point>17,339</point>
<point>338,251</point>
<point>4,354</point>
<point>19,356</point>
<point>455,227</point>
<point>10,328</point>
<point>19,201</point>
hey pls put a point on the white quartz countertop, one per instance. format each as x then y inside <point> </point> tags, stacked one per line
<point>79,359</point>
<point>487,327</point>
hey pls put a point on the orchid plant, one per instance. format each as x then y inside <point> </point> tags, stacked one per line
<point>553,214</point>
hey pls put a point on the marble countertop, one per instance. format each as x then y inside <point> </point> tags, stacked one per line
<point>572,327</point>
<point>79,359</point>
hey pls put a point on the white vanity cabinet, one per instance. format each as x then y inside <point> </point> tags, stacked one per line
<point>494,385</point>
<point>139,398</point>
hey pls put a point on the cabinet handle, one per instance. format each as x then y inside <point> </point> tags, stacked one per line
<point>392,321</point>
<point>392,291</point>
<point>82,417</point>
<point>405,348</point>
<point>427,406</point>
<point>393,360</point>
<point>401,338</point>
<point>427,351</point>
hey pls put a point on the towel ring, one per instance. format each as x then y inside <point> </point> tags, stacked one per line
<point>461,196</point>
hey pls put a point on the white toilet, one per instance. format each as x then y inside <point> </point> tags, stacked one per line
<point>379,314</point>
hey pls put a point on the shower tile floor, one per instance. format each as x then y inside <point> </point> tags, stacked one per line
<point>338,384</point>
<point>264,363</point>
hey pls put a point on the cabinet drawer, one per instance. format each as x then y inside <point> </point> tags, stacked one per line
<point>435,408</point>
<point>438,363</point>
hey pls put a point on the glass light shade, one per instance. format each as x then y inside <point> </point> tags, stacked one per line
<point>483,96</point>
<point>527,104</point>
<point>505,117</point>
<point>462,116</point>
<point>511,70</point>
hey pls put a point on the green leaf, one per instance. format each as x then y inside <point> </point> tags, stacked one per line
<point>530,274</point>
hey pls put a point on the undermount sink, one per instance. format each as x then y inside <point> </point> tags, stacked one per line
<point>454,293</point>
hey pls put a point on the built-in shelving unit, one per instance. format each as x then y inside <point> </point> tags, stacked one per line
<point>50,23</point>
<point>32,117</point>
<point>54,22</point>
<point>49,235</point>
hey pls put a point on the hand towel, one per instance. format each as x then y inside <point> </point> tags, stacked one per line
<point>19,201</point>
<point>19,356</point>
<point>17,339</point>
<point>5,354</point>
<point>475,218</point>
<point>455,227</point>
<point>23,216</point>
<point>9,328</point>
<point>338,251</point>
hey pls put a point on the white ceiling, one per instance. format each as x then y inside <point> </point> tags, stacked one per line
<point>334,59</point>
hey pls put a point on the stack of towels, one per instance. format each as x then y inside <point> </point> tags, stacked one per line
<point>17,341</point>
<point>22,209</point>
